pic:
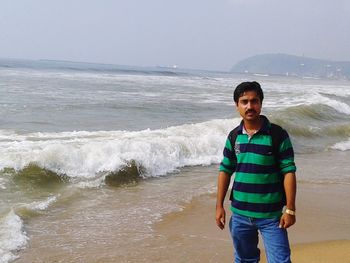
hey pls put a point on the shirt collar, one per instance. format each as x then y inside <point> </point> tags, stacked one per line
<point>265,128</point>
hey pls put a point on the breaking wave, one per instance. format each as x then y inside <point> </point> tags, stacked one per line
<point>89,155</point>
<point>119,157</point>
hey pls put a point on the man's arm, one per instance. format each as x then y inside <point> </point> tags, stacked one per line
<point>223,184</point>
<point>290,188</point>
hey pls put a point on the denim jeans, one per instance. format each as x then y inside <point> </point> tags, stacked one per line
<point>244,232</point>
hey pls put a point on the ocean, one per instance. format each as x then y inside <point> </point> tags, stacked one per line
<point>92,156</point>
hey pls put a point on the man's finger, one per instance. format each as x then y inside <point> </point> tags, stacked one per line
<point>220,223</point>
<point>281,225</point>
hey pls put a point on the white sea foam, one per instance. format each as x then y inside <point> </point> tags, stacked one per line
<point>12,237</point>
<point>342,146</point>
<point>41,205</point>
<point>86,154</point>
<point>2,183</point>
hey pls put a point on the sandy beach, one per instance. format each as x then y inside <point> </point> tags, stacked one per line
<point>321,233</point>
<point>86,231</point>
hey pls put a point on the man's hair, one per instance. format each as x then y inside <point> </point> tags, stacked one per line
<point>247,86</point>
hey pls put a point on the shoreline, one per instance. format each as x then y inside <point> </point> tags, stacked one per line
<point>321,233</point>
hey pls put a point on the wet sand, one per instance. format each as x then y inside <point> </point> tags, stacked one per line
<point>321,234</point>
<point>94,228</point>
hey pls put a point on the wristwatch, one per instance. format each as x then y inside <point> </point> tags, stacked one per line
<point>288,211</point>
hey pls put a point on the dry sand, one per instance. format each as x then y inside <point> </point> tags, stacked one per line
<point>321,234</point>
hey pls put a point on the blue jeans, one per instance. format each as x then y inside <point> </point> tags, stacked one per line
<point>244,232</point>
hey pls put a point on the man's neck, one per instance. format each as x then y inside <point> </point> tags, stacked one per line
<point>254,125</point>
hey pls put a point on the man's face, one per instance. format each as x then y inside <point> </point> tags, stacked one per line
<point>249,106</point>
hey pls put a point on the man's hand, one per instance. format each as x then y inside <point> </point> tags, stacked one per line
<point>290,188</point>
<point>287,220</point>
<point>220,217</point>
<point>223,183</point>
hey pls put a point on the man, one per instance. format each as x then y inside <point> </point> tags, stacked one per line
<point>264,188</point>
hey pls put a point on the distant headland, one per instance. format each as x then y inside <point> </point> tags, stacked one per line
<point>289,65</point>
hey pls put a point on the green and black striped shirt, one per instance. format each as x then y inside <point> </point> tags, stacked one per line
<point>258,184</point>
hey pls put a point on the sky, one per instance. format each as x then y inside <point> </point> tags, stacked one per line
<point>198,34</point>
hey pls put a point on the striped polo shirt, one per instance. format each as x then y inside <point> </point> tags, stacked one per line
<point>258,184</point>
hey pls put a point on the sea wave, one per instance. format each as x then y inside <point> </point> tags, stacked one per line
<point>89,155</point>
<point>315,112</point>
<point>36,206</point>
<point>34,176</point>
<point>342,146</point>
<point>12,237</point>
<point>32,67</point>
<point>339,106</point>
<point>314,131</point>
<point>41,205</point>
<point>2,183</point>
<point>309,100</point>
<point>119,157</point>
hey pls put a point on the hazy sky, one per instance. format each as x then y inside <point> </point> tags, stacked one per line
<point>204,34</point>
